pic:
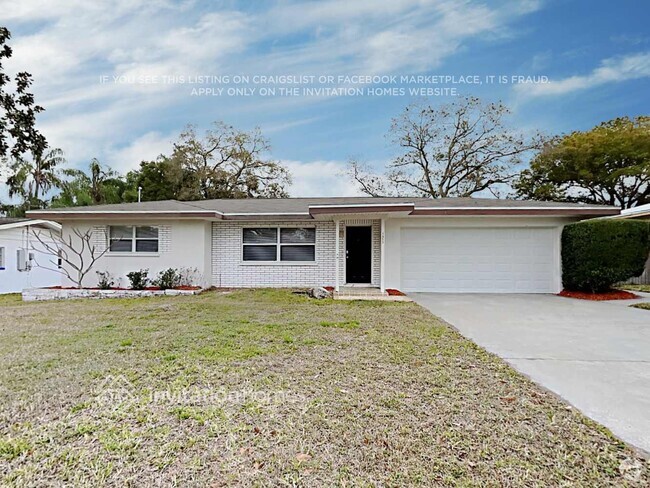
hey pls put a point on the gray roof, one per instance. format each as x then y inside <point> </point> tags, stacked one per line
<point>301,205</point>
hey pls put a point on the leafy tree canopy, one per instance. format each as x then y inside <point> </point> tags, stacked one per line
<point>18,133</point>
<point>226,163</point>
<point>99,186</point>
<point>609,164</point>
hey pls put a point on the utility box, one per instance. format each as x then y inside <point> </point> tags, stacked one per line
<point>22,260</point>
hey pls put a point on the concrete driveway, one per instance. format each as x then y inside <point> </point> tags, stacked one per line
<point>595,355</point>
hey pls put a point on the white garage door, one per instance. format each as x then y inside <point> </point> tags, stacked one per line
<point>479,260</point>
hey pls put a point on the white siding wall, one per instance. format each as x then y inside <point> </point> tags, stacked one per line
<point>14,281</point>
<point>182,244</point>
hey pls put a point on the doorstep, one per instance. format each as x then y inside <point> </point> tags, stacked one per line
<point>367,293</point>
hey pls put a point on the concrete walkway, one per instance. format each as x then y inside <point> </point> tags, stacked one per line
<point>595,355</point>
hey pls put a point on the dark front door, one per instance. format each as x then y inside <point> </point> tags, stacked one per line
<point>358,254</point>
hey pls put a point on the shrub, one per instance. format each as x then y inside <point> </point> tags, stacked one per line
<point>169,278</point>
<point>138,279</point>
<point>598,253</point>
<point>105,280</point>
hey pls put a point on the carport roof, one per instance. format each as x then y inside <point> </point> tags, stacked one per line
<point>307,207</point>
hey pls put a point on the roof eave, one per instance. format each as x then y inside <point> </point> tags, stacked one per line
<point>32,223</point>
<point>341,210</point>
<point>548,212</point>
<point>124,215</point>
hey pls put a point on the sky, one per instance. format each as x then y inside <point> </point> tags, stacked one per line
<point>120,79</point>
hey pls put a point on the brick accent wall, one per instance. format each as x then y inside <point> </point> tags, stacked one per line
<point>100,237</point>
<point>228,269</point>
<point>376,248</point>
<point>164,238</point>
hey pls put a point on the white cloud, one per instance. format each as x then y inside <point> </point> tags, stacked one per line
<point>145,148</point>
<point>68,44</point>
<point>612,70</point>
<point>320,179</point>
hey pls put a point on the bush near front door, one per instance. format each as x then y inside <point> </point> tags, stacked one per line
<point>599,253</point>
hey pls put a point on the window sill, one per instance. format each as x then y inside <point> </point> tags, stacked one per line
<point>133,254</point>
<point>278,263</point>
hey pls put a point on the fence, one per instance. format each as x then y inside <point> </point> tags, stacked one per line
<point>644,279</point>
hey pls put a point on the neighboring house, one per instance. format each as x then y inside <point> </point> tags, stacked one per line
<point>20,254</point>
<point>411,244</point>
<point>642,212</point>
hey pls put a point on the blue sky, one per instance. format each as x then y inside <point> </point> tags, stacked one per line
<point>596,55</point>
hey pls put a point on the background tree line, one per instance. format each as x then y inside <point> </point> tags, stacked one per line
<point>462,149</point>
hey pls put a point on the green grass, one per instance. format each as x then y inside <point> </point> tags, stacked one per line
<point>347,324</point>
<point>268,388</point>
<point>644,306</point>
<point>644,288</point>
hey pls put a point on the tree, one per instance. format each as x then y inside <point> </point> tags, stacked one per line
<point>161,179</point>
<point>77,253</point>
<point>31,179</point>
<point>608,164</point>
<point>18,134</point>
<point>457,149</point>
<point>99,186</point>
<point>227,163</point>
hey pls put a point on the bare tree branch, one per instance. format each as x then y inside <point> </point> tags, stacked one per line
<point>457,149</point>
<point>78,255</point>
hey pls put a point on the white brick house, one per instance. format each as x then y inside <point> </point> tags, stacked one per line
<point>411,244</point>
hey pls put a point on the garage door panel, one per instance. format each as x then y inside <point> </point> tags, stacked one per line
<point>510,260</point>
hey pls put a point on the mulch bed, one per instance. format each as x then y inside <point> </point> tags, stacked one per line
<point>394,293</point>
<point>607,295</point>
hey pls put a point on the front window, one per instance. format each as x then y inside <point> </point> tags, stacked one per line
<point>2,258</point>
<point>127,238</point>
<point>279,244</point>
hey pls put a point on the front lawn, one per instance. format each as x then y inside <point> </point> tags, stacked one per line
<point>644,305</point>
<point>645,288</point>
<point>274,389</point>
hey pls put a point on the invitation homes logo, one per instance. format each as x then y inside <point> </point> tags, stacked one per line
<point>117,390</point>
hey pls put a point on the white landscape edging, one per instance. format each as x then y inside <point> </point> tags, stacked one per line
<point>41,294</point>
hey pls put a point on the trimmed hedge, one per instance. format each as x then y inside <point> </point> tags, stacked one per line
<point>599,253</point>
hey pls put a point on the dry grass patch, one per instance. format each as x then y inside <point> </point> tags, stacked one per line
<point>268,388</point>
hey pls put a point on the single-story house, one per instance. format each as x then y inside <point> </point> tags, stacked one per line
<point>410,244</point>
<point>21,255</point>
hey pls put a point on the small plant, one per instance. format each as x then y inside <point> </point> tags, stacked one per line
<point>169,278</point>
<point>138,279</point>
<point>189,277</point>
<point>105,280</point>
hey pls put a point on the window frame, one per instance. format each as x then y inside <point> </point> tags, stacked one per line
<point>278,245</point>
<point>134,240</point>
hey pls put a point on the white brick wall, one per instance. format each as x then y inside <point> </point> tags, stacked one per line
<point>228,269</point>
